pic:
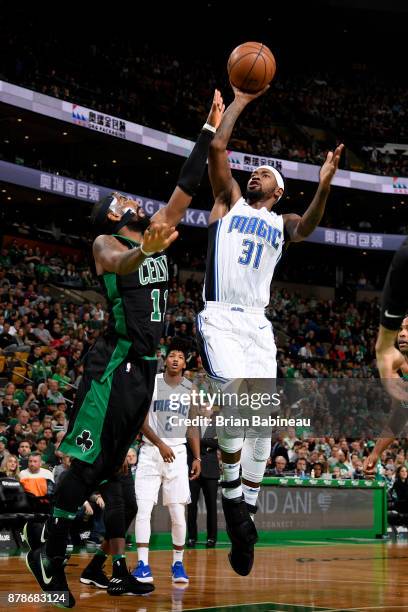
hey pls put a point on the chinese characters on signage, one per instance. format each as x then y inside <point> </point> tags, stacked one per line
<point>353,239</point>
<point>69,187</point>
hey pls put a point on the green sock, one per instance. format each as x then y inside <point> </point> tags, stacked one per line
<point>100,553</point>
<point>117,557</point>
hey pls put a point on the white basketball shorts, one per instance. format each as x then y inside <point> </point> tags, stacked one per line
<point>152,472</point>
<point>236,342</point>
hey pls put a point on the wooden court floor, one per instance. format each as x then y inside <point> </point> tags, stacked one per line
<point>291,577</point>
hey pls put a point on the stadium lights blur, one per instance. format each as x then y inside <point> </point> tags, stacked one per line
<point>7,142</point>
<point>96,165</point>
<point>65,133</point>
<point>3,190</point>
<point>38,199</point>
<point>149,157</point>
<point>9,197</point>
<point>167,172</point>
<point>114,161</point>
<point>26,137</point>
<point>19,120</point>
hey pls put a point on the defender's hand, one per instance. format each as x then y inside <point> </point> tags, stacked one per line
<point>158,237</point>
<point>217,110</point>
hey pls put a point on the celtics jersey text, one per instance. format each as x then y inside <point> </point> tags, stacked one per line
<point>169,410</point>
<point>243,250</point>
<point>137,302</point>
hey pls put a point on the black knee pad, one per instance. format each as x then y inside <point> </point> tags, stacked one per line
<point>88,473</point>
<point>76,485</point>
<point>242,533</point>
<point>114,515</point>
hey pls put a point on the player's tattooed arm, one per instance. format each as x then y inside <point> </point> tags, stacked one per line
<point>226,190</point>
<point>300,227</point>
<point>111,256</point>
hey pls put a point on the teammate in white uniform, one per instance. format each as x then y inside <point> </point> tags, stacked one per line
<point>163,462</point>
<point>245,243</point>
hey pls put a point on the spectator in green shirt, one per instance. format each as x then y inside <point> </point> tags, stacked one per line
<point>42,369</point>
<point>62,377</point>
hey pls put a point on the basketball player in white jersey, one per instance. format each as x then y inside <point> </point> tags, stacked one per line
<point>163,462</point>
<point>244,245</point>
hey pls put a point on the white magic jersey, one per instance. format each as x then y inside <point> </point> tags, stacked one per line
<point>168,410</point>
<point>243,250</point>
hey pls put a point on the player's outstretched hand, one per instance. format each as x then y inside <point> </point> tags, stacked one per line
<point>246,97</point>
<point>217,109</point>
<point>158,237</point>
<point>167,453</point>
<point>370,466</point>
<point>329,168</point>
<point>195,469</point>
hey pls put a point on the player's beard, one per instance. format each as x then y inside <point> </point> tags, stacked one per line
<point>138,224</point>
<point>254,195</point>
<point>403,349</point>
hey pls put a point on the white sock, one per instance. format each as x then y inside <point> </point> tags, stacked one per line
<point>250,494</point>
<point>177,555</point>
<point>231,472</point>
<point>143,554</point>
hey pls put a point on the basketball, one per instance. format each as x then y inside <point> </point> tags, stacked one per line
<point>251,66</point>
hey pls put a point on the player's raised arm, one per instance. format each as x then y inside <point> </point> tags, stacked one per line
<point>193,168</point>
<point>226,190</point>
<point>111,256</point>
<point>300,227</point>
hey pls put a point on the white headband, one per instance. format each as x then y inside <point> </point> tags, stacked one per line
<point>277,175</point>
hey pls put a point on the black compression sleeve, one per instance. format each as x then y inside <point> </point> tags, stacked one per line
<point>394,304</point>
<point>193,168</point>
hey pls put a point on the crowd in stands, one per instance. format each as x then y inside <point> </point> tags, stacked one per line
<point>26,264</point>
<point>170,93</point>
<point>43,342</point>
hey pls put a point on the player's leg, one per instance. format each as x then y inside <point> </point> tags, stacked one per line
<point>120,509</point>
<point>176,495</point>
<point>46,562</point>
<point>148,480</point>
<point>261,383</point>
<point>195,487</point>
<point>210,489</point>
<point>131,397</point>
<point>240,528</point>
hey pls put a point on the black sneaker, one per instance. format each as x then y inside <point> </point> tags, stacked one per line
<point>34,534</point>
<point>95,576</point>
<point>50,575</point>
<point>242,533</point>
<point>210,543</point>
<point>191,543</point>
<point>129,585</point>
